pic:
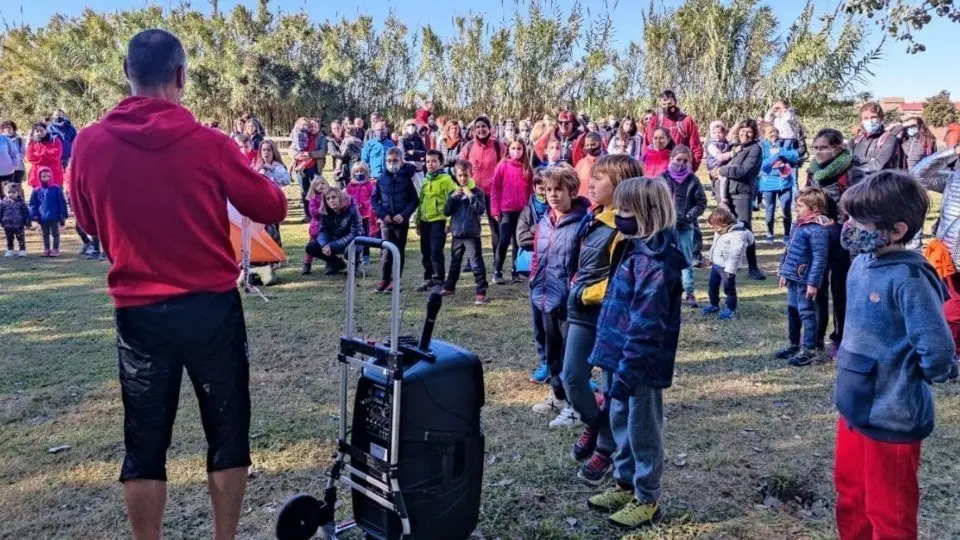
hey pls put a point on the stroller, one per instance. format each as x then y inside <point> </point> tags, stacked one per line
<point>413,455</point>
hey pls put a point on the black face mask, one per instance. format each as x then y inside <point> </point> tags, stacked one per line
<point>670,111</point>
<point>626,225</point>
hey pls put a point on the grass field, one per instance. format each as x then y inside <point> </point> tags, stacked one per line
<point>747,425</point>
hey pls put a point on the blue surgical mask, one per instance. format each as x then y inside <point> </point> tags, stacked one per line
<point>872,126</point>
<point>858,240</point>
<point>360,177</point>
<point>912,131</point>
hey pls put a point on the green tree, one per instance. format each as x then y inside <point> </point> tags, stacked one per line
<point>902,18</point>
<point>939,111</point>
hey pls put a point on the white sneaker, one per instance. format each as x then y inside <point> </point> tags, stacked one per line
<point>23,253</point>
<point>551,405</point>
<point>567,418</point>
<point>9,253</point>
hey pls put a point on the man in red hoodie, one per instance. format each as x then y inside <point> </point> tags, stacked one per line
<point>681,127</point>
<point>153,184</point>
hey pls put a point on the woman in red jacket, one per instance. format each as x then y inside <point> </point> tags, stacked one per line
<point>509,192</point>
<point>44,150</point>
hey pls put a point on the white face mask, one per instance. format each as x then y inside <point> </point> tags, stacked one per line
<point>393,167</point>
<point>516,154</point>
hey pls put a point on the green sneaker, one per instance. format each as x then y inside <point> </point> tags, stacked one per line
<point>611,500</point>
<point>635,514</point>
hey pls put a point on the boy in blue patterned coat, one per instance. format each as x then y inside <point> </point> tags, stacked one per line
<point>801,272</point>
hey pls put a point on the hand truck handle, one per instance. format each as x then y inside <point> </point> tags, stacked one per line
<point>352,286</point>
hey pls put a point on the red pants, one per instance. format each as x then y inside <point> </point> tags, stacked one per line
<point>951,309</point>
<point>878,496</point>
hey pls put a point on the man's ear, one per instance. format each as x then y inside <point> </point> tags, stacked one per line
<point>181,77</point>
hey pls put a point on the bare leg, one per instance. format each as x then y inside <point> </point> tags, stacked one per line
<point>145,502</point>
<point>226,493</point>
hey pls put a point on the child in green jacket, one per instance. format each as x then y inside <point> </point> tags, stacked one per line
<point>431,222</point>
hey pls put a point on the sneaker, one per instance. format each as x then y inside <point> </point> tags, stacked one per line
<point>9,253</point>
<point>757,274</point>
<point>381,287</point>
<point>93,255</point>
<point>710,310</point>
<point>516,278</point>
<point>23,253</point>
<point>46,253</point>
<point>787,351</point>
<point>613,499</point>
<point>541,374</point>
<point>101,257</point>
<point>567,417</point>
<point>481,300</point>
<point>498,278</point>
<point>585,445</point>
<point>446,292</point>
<point>305,269</point>
<point>54,252</point>
<point>727,315</point>
<point>803,357</point>
<point>83,249</point>
<point>692,301</point>
<point>424,287</point>
<point>550,405</point>
<point>635,514</point>
<point>596,469</point>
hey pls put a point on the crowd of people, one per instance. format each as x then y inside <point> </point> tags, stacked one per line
<point>604,221</point>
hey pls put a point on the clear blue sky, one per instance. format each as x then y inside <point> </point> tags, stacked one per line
<point>898,74</point>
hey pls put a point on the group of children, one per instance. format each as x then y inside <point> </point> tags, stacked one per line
<point>47,207</point>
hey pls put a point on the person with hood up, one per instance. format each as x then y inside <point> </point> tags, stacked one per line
<point>68,135</point>
<point>681,128</point>
<point>944,250</point>
<point>569,133</point>
<point>173,275</point>
<point>741,172</point>
<point>48,207</point>
<point>689,202</point>
<point>896,345</point>
<point>374,152</point>
<point>484,152</point>
<point>876,147</point>
<point>44,150</point>
<point>637,336</point>
<point>512,186</point>
<point>394,200</point>
<point>555,260</point>
<point>339,224</point>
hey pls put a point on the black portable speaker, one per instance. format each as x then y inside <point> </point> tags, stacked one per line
<point>441,445</point>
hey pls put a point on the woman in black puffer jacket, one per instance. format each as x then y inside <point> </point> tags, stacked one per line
<point>741,172</point>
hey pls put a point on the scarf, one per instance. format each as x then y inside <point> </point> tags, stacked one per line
<point>451,143</point>
<point>832,169</point>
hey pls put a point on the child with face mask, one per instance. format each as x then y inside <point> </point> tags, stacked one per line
<point>637,334</point>
<point>801,272</point>
<point>690,202</point>
<point>592,150</point>
<point>394,201</point>
<point>360,189</point>
<point>511,187</point>
<point>897,343</point>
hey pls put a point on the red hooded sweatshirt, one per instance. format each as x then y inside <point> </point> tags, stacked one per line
<point>153,184</point>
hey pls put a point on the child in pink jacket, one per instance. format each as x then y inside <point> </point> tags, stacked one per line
<point>360,189</point>
<point>509,192</point>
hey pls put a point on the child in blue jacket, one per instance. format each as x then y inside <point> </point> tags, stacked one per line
<point>778,176</point>
<point>48,207</point>
<point>895,344</point>
<point>801,272</point>
<point>637,334</point>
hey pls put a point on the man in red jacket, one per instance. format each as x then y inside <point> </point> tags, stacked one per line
<point>153,184</point>
<point>680,126</point>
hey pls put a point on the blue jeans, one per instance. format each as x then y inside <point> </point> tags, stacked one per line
<point>637,426</point>
<point>686,243</point>
<point>719,277</point>
<point>801,313</point>
<point>770,199</point>
<point>576,382</point>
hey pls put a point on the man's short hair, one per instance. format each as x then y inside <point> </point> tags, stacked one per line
<point>153,57</point>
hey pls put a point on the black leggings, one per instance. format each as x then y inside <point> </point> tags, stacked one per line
<point>433,237</point>
<point>742,208</point>
<point>508,238</point>
<point>834,286</point>
<point>397,235</point>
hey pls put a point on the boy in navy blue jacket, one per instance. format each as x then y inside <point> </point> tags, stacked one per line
<point>895,344</point>
<point>801,272</point>
<point>394,200</point>
<point>465,207</point>
<point>48,207</point>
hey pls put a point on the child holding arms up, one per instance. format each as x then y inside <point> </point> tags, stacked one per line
<point>555,250</point>
<point>526,232</point>
<point>48,207</point>
<point>801,272</point>
<point>431,221</point>
<point>638,331</point>
<point>895,344</point>
<point>465,206</point>
<point>727,255</point>
<point>14,218</point>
